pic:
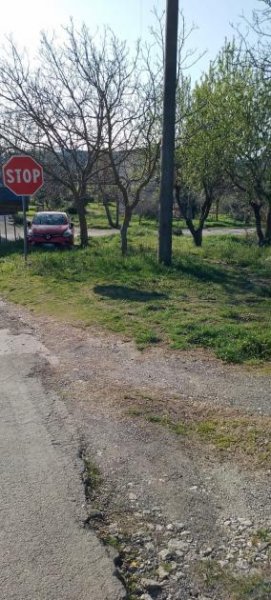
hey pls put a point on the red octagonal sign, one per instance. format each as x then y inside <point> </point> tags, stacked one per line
<point>23,175</point>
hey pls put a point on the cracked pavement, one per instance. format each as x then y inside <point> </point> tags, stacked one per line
<point>45,552</point>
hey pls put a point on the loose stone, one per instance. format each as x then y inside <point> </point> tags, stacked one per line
<point>179,575</point>
<point>245,522</point>
<point>177,545</point>
<point>162,573</point>
<point>242,564</point>
<point>223,563</point>
<point>179,526</point>
<point>165,554</point>
<point>207,551</point>
<point>95,514</point>
<point>151,585</point>
<point>149,546</point>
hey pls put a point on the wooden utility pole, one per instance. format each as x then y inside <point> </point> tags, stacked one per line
<point>168,136</point>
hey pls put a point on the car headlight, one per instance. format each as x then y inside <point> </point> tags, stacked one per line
<point>67,233</point>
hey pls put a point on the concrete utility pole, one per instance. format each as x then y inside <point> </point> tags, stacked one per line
<point>168,139</point>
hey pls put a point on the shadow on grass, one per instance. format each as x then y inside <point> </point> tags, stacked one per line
<point>122,292</point>
<point>207,273</point>
<point>232,282</point>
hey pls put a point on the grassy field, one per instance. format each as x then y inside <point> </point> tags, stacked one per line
<point>216,297</point>
<point>96,218</point>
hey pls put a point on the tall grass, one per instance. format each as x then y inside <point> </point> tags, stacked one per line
<point>217,296</point>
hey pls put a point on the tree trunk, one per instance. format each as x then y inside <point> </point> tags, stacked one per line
<point>124,230</point>
<point>217,209</point>
<point>117,214</point>
<point>82,222</point>
<point>177,190</point>
<point>109,216</point>
<point>196,233</point>
<point>258,221</point>
<point>198,237</point>
<point>268,226</point>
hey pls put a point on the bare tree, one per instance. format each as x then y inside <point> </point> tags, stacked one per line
<point>133,113</point>
<point>108,192</point>
<point>52,195</point>
<point>51,111</point>
<point>131,134</point>
<point>133,144</point>
<point>80,101</point>
<point>258,45</point>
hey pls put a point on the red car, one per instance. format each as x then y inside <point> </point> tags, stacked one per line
<point>51,229</point>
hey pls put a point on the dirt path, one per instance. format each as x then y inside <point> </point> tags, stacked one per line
<point>190,518</point>
<point>224,231</point>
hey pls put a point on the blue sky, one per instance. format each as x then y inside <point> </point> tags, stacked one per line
<point>130,19</point>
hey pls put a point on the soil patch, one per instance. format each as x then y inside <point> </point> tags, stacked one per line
<point>172,440</point>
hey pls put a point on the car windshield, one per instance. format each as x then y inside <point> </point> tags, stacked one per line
<point>50,219</point>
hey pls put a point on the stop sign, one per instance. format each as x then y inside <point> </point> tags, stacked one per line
<point>23,175</point>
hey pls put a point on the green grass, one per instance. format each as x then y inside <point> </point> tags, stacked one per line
<point>262,535</point>
<point>234,587</point>
<point>223,221</point>
<point>216,297</point>
<point>243,437</point>
<point>110,540</point>
<point>96,218</point>
<point>92,477</point>
<point>239,435</point>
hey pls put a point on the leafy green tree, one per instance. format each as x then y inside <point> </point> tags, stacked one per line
<point>200,156</point>
<point>227,137</point>
<point>244,103</point>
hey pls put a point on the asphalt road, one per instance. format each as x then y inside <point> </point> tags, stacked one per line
<point>45,552</point>
<point>9,229</point>
<point>19,231</point>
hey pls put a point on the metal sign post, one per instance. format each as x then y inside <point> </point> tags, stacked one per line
<point>23,176</point>
<point>24,201</point>
<point>6,231</point>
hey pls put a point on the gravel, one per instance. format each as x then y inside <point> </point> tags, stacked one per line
<point>171,506</point>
